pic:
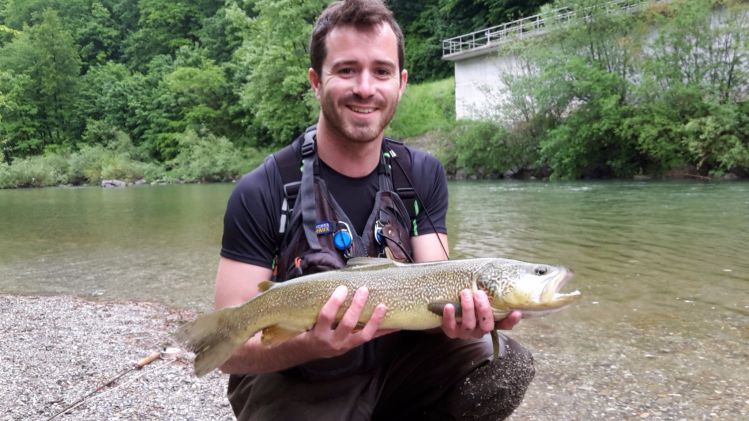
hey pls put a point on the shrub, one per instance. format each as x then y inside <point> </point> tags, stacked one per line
<point>92,164</point>
<point>423,108</point>
<point>35,171</point>
<point>208,158</point>
<point>486,149</point>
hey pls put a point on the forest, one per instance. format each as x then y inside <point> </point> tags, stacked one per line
<point>184,89</point>
<point>202,90</point>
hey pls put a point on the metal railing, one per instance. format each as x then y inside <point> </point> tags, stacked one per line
<point>528,26</point>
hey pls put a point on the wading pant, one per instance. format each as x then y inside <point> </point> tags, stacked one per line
<point>418,376</point>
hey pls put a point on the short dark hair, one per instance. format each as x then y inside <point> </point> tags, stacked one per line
<point>358,13</point>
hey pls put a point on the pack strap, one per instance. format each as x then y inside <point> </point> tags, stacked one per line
<point>399,173</point>
<point>307,191</point>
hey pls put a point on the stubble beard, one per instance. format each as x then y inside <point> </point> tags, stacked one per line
<point>348,130</point>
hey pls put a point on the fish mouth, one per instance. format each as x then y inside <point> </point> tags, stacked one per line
<point>551,293</point>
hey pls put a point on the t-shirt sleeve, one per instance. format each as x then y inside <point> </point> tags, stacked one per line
<point>252,217</point>
<point>431,185</point>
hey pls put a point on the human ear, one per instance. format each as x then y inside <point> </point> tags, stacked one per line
<point>314,81</point>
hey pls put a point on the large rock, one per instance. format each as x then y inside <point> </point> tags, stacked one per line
<point>113,183</point>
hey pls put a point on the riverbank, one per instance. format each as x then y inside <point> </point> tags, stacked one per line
<point>58,349</point>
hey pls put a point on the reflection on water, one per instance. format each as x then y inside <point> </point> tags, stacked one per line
<point>150,243</point>
<point>663,268</point>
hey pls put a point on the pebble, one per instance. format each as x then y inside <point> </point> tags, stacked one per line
<point>57,350</point>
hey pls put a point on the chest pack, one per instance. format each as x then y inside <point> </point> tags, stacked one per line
<point>289,161</point>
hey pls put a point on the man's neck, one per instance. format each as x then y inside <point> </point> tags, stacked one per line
<point>352,159</point>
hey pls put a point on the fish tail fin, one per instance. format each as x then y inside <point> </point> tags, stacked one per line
<point>213,337</point>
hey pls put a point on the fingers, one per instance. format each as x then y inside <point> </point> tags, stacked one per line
<point>510,321</point>
<point>371,329</point>
<point>330,338</point>
<point>351,317</point>
<point>484,311</point>
<point>477,318</point>
<point>468,312</point>
<point>449,324</point>
<point>327,316</point>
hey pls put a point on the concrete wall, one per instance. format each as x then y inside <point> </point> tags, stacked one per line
<point>479,85</point>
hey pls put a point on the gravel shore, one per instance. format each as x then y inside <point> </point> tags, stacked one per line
<point>59,349</point>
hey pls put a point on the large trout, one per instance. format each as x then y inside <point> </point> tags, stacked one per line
<point>415,295</point>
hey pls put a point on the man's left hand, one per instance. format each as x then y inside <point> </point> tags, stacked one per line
<point>477,318</point>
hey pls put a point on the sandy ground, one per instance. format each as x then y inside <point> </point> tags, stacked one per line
<point>58,349</point>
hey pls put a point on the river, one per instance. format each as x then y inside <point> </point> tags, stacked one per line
<point>662,328</point>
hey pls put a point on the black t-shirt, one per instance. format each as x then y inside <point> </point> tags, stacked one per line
<point>253,213</point>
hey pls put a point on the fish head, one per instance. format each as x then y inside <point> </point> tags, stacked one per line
<point>532,288</point>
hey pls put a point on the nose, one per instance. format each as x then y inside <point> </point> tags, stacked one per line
<point>364,87</point>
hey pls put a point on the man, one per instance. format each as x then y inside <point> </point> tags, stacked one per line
<point>346,205</point>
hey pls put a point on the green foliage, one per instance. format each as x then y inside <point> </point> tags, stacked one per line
<point>426,23</point>
<point>46,57</point>
<point>208,158</point>
<point>425,107</point>
<point>92,164</point>
<point>166,25</point>
<point>19,124</point>
<point>277,91</point>
<point>603,98</point>
<point>719,141</point>
<point>35,171</point>
<point>485,149</point>
<point>152,88</point>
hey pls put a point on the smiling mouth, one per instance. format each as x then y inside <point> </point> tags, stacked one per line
<point>362,110</point>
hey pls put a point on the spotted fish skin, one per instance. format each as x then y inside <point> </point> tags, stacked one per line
<point>415,295</point>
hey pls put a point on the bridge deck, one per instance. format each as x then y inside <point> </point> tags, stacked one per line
<point>480,42</point>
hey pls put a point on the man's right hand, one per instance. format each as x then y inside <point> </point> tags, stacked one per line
<point>330,339</point>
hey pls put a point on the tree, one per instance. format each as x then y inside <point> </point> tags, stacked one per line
<point>276,58</point>
<point>194,94</point>
<point>166,25</point>
<point>45,53</point>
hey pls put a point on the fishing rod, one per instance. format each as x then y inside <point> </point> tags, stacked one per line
<point>166,354</point>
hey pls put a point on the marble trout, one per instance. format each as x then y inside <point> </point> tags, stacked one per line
<point>415,295</point>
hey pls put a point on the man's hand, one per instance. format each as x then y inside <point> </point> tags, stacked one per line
<point>476,317</point>
<point>326,339</point>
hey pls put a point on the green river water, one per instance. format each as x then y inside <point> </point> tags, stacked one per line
<point>663,268</point>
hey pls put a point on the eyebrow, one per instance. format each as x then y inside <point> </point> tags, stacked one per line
<point>387,63</point>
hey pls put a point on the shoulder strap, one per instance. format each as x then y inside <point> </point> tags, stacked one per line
<point>289,162</point>
<point>401,173</point>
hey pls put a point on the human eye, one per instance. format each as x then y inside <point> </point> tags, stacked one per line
<point>345,71</point>
<point>383,72</point>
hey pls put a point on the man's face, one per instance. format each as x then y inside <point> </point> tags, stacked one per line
<point>361,84</point>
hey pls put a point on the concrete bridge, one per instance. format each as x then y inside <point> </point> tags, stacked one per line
<point>480,62</point>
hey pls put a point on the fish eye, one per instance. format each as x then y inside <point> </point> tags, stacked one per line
<point>540,270</point>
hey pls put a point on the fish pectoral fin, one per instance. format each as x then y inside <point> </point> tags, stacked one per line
<point>274,335</point>
<point>265,285</point>
<point>438,308</point>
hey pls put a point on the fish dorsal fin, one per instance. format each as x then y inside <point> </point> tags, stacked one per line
<point>265,285</point>
<point>369,263</point>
